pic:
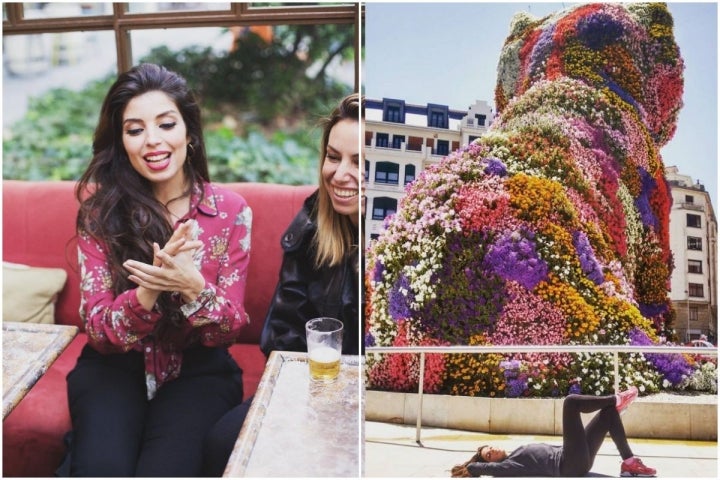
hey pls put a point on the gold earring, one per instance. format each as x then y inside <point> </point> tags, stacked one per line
<point>192,152</point>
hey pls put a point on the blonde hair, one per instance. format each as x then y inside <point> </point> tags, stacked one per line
<point>333,238</point>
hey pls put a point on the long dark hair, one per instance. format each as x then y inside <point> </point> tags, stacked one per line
<point>117,205</point>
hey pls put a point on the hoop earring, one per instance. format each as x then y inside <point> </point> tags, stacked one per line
<point>192,152</point>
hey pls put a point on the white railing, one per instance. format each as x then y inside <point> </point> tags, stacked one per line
<point>503,349</point>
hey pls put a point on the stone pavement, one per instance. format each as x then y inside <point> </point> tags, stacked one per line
<point>391,451</point>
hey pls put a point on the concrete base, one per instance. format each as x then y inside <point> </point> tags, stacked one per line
<point>684,417</point>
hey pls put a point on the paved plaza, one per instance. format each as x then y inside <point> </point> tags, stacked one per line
<point>391,451</point>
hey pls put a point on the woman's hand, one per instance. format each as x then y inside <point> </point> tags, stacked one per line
<point>173,269</point>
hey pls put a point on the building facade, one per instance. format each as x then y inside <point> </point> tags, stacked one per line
<point>403,139</point>
<point>693,242</point>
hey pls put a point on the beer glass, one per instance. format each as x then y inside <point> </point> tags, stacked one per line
<point>324,344</point>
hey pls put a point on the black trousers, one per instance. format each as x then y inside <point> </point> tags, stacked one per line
<point>118,432</point>
<point>581,444</point>
<point>221,439</point>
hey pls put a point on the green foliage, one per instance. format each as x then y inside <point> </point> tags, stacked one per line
<point>262,89</point>
<point>285,159</point>
<point>262,80</point>
<point>54,139</point>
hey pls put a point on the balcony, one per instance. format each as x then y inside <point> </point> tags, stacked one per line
<point>692,206</point>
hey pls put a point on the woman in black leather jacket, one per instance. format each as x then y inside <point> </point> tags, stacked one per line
<point>319,274</point>
<point>306,291</point>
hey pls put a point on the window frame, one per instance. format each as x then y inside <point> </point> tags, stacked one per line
<point>382,140</point>
<point>387,173</point>
<point>410,177</point>
<point>122,22</point>
<point>445,150</point>
<point>381,207</point>
<point>695,266</point>
<point>696,290</point>
<point>694,243</point>
<point>690,220</point>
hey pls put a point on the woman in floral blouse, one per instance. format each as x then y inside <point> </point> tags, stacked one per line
<point>163,255</point>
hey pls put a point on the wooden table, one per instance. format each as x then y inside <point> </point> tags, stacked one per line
<point>300,428</point>
<point>28,351</point>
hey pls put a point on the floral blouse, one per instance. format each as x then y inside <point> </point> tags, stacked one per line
<point>117,324</point>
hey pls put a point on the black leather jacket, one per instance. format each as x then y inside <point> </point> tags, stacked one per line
<point>304,292</point>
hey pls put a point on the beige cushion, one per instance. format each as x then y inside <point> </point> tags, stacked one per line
<point>29,293</point>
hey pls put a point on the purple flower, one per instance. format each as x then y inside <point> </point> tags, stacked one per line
<point>599,29</point>
<point>642,202</point>
<point>575,388</point>
<point>400,299</point>
<point>653,310</point>
<point>542,49</point>
<point>621,92</point>
<point>378,272</point>
<point>511,368</point>
<point>513,257</point>
<point>369,340</point>
<point>471,297</point>
<point>515,387</point>
<point>672,366</point>
<point>589,263</point>
<point>495,167</point>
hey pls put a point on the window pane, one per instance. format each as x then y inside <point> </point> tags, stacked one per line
<point>381,140</point>
<point>694,243</point>
<point>64,10</point>
<point>695,289</point>
<point>694,266</point>
<point>34,64</point>
<point>694,220</point>
<point>143,41</point>
<point>157,7</point>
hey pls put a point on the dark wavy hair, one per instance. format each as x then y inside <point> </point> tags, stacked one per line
<point>117,205</point>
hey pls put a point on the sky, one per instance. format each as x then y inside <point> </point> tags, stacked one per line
<point>447,53</point>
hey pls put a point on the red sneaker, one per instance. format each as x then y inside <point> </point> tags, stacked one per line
<point>634,467</point>
<point>624,399</point>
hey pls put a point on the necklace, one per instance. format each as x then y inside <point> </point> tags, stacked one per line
<point>184,207</point>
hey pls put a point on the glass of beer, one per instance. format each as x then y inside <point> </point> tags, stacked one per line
<point>324,344</point>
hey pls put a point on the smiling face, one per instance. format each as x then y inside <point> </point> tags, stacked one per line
<point>155,139</point>
<point>340,170</point>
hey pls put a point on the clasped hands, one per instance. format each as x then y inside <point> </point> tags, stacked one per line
<point>172,270</point>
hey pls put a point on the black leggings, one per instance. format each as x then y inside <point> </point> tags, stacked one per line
<point>118,432</point>
<point>580,443</point>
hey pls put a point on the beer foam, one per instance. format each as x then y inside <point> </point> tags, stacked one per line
<point>324,355</point>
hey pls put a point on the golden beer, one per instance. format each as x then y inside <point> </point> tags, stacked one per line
<point>324,363</point>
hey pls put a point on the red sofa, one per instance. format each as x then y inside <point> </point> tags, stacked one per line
<point>38,230</point>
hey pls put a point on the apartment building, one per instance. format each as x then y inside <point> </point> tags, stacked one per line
<point>693,241</point>
<point>402,139</point>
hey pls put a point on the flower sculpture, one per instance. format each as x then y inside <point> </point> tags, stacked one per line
<point>550,229</point>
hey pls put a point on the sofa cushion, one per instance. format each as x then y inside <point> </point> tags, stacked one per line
<point>29,293</point>
<point>39,230</point>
